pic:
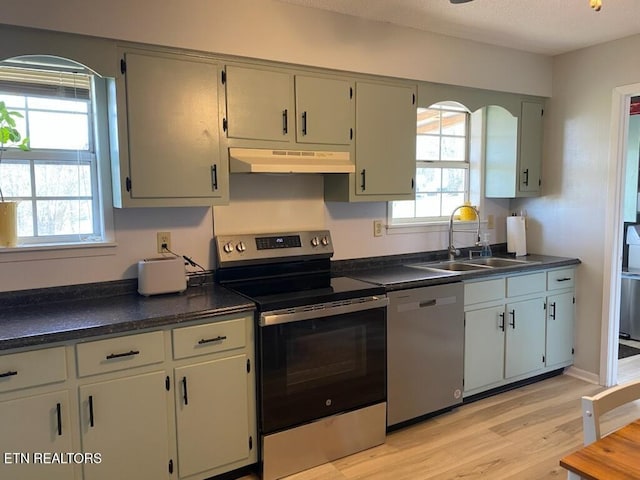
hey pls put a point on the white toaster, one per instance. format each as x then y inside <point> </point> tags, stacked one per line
<point>161,275</point>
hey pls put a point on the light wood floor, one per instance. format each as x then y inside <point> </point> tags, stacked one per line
<point>519,434</point>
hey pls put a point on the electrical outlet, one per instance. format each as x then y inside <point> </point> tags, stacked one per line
<point>377,228</point>
<point>164,241</point>
<point>490,222</point>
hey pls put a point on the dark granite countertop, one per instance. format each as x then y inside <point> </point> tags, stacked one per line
<point>45,316</point>
<point>47,321</point>
<point>401,276</point>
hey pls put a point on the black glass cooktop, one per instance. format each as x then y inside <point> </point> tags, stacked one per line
<point>279,293</point>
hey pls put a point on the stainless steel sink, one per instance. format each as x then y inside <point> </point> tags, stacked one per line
<point>477,264</point>
<point>497,262</point>
<point>455,266</point>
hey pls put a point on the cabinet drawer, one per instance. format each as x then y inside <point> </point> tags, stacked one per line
<point>118,353</point>
<point>209,338</point>
<point>526,284</point>
<point>484,291</point>
<point>28,369</point>
<point>559,279</point>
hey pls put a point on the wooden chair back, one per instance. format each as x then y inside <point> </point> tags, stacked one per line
<point>605,401</point>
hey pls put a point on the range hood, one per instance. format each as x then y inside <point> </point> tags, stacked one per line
<point>255,160</point>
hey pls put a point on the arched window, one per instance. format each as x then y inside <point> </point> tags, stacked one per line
<point>442,165</point>
<point>62,111</point>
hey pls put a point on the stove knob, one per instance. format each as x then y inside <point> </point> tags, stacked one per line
<point>228,247</point>
<point>241,247</point>
<point>325,241</point>
<point>315,242</point>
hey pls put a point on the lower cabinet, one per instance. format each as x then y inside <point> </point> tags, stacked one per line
<point>211,414</point>
<point>125,421</point>
<point>175,403</point>
<point>560,316</point>
<point>517,327</point>
<point>524,351</point>
<point>37,416</point>
<point>33,427</point>
<point>484,347</point>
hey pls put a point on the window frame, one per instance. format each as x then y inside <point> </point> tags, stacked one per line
<point>407,222</point>
<point>98,158</point>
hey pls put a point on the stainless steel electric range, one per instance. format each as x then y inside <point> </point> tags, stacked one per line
<point>321,348</point>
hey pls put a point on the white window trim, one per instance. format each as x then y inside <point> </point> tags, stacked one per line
<point>106,246</point>
<point>419,225</point>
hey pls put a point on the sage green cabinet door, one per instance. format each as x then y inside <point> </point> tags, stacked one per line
<point>212,414</point>
<point>560,319</point>
<point>35,425</point>
<point>385,146</point>
<point>126,420</point>
<point>525,337</point>
<point>324,110</point>
<point>501,153</point>
<point>259,104</point>
<point>483,347</point>
<point>172,128</point>
<point>513,151</point>
<point>530,148</point>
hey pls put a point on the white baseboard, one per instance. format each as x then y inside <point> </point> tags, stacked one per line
<point>583,375</point>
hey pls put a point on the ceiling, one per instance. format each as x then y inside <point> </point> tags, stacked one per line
<point>547,27</point>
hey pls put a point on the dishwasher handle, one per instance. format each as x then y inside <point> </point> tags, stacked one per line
<point>407,305</point>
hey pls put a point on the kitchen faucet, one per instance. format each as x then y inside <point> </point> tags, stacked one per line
<point>453,251</point>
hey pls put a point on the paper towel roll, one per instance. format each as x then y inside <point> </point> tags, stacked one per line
<point>516,235</point>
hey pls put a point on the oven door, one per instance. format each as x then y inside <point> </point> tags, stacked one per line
<point>321,361</point>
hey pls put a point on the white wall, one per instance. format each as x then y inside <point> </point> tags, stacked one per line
<point>272,30</point>
<point>570,219</point>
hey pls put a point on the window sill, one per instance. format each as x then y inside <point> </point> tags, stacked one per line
<point>27,252</point>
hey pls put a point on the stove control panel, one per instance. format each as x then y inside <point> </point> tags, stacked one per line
<point>273,247</point>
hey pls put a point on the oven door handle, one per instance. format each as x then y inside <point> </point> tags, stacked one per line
<point>322,310</point>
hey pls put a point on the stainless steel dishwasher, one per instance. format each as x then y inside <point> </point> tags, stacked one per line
<point>425,349</point>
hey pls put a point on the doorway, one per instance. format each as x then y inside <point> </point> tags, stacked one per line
<point>614,237</point>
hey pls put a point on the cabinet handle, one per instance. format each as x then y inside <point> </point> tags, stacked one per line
<point>214,177</point>
<point>185,395</point>
<point>10,373</point>
<point>209,340</point>
<point>552,315</point>
<point>564,279</point>
<point>428,303</point>
<point>91,422</point>
<point>285,122</point>
<point>512,323</point>
<point>501,326</point>
<point>526,177</point>
<point>304,123</point>
<point>363,174</point>
<point>59,418</point>
<point>125,354</point>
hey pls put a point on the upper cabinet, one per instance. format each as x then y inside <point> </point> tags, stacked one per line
<point>168,151</point>
<point>259,103</point>
<point>513,151</point>
<point>266,105</point>
<point>385,146</point>
<point>324,110</point>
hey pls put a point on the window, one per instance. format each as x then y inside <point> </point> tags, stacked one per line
<point>57,181</point>
<point>442,166</point>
